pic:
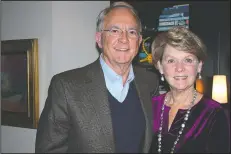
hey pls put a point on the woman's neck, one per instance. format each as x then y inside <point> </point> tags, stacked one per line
<point>181,99</point>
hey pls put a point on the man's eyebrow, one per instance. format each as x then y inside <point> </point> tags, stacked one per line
<point>133,28</point>
<point>113,26</point>
<point>117,27</point>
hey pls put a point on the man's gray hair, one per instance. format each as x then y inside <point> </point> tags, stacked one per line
<point>104,12</point>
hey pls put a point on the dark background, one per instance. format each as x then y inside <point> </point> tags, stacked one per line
<point>207,20</point>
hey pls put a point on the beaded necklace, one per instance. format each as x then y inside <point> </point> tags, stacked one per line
<point>182,125</point>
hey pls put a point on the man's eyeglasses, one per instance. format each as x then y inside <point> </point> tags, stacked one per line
<point>117,32</point>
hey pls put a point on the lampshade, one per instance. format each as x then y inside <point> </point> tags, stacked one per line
<point>219,89</point>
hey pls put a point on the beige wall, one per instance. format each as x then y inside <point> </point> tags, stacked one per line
<point>65,31</point>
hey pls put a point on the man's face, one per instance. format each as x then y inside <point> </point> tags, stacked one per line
<point>119,45</point>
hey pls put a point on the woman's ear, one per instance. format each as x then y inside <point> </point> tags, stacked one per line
<point>199,68</point>
<point>160,67</point>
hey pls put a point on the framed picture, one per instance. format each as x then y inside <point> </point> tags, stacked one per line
<point>19,83</point>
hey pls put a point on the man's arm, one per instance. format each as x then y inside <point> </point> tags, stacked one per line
<point>52,131</point>
<point>153,81</point>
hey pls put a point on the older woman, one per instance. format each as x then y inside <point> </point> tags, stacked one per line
<point>185,120</point>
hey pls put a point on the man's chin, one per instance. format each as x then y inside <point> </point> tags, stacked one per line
<point>123,62</point>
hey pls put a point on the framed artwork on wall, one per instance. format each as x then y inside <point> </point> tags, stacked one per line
<point>19,83</point>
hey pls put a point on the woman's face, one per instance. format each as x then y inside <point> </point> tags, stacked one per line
<point>179,68</point>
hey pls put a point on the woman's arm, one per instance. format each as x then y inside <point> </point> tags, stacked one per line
<point>219,136</point>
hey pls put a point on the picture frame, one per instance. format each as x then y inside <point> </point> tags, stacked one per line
<point>19,83</point>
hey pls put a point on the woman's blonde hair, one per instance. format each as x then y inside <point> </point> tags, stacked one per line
<point>180,38</point>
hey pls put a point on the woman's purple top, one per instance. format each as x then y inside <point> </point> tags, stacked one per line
<point>206,131</point>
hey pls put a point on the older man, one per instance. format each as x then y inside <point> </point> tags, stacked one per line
<point>104,106</point>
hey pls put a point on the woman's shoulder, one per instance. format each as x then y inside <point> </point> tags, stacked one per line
<point>158,98</point>
<point>211,103</point>
<point>213,106</point>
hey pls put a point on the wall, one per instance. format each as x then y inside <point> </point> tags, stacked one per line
<point>66,40</point>
<point>73,34</point>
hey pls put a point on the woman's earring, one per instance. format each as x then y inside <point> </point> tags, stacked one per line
<point>199,75</point>
<point>162,77</point>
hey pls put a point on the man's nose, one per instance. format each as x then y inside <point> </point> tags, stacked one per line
<point>124,37</point>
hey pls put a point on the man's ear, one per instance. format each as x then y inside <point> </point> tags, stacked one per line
<point>140,39</point>
<point>98,39</point>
